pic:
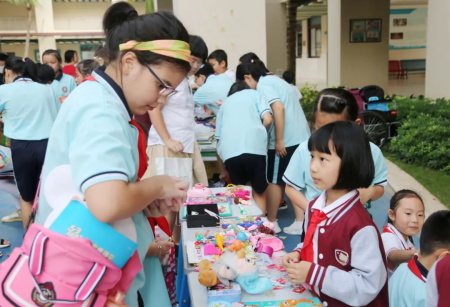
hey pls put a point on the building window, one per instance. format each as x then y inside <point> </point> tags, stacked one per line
<point>315,36</point>
<point>299,33</point>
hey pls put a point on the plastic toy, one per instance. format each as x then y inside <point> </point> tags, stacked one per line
<point>237,245</point>
<point>199,190</point>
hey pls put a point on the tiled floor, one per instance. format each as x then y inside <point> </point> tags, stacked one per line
<point>414,85</point>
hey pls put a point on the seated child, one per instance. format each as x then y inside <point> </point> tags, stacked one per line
<point>212,88</point>
<point>241,129</point>
<point>407,286</point>
<point>405,219</point>
<point>219,61</point>
<point>342,258</point>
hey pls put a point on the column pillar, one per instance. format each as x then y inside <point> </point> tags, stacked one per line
<point>438,44</point>
<point>44,24</point>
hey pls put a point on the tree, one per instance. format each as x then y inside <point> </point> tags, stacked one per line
<point>291,25</point>
<point>29,5</point>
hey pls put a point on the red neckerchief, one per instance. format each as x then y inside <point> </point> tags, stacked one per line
<point>412,265</point>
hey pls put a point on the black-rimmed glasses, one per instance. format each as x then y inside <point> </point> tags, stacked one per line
<point>166,89</point>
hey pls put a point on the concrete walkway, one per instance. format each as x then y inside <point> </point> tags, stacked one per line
<point>398,179</point>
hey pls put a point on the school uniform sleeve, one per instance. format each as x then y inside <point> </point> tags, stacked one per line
<point>380,177</point>
<point>295,173</point>
<point>269,93</point>
<point>101,156</point>
<point>2,98</point>
<point>262,105</point>
<point>362,284</point>
<point>390,243</point>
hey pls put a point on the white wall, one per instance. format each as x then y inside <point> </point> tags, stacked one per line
<point>438,46</point>
<point>235,26</point>
<point>276,36</point>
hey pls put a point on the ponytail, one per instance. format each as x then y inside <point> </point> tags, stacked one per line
<point>22,67</point>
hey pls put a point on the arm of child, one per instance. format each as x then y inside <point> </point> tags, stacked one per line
<point>297,197</point>
<point>376,190</point>
<point>224,175</point>
<point>371,193</point>
<point>160,127</point>
<point>399,256</point>
<point>359,286</point>
<point>154,250</point>
<point>114,200</point>
<point>278,116</point>
<point>267,120</point>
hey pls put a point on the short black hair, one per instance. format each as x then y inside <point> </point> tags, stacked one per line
<point>46,74</point>
<point>198,47</point>
<point>53,52</point>
<point>289,77</point>
<point>3,56</point>
<point>435,233</point>
<point>206,70</point>
<point>256,69</point>
<point>352,145</point>
<point>86,67</point>
<point>249,57</point>
<point>337,101</point>
<point>68,55</point>
<point>238,86</point>
<point>219,55</point>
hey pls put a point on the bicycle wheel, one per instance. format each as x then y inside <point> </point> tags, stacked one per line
<point>375,127</point>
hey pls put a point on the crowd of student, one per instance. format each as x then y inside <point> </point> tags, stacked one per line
<point>73,129</point>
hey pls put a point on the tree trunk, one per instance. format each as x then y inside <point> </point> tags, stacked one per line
<point>27,38</point>
<point>291,25</point>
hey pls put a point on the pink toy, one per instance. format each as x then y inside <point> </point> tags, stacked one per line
<point>244,194</point>
<point>199,190</point>
<point>210,249</point>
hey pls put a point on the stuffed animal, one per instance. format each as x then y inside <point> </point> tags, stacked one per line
<point>233,266</point>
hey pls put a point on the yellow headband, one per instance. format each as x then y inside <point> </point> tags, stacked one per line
<point>171,48</point>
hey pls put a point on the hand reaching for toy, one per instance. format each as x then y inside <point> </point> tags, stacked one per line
<point>153,249</point>
<point>172,197</point>
<point>174,145</point>
<point>298,271</point>
<point>291,258</point>
<point>224,176</point>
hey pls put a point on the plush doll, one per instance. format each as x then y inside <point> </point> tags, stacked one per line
<point>233,266</point>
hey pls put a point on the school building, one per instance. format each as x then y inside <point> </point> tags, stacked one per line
<point>339,42</point>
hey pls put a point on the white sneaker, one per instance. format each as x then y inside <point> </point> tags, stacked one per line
<point>296,228</point>
<point>16,216</point>
<point>276,227</point>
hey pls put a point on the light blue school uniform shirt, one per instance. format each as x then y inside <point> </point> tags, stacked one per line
<point>239,128</point>
<point>406,289</point>
<point>296,128</point>
<point>298,175</point>
<point>63,85</point>
<point>215,88</point>
<point>30,109</point>
<point>92,142</point>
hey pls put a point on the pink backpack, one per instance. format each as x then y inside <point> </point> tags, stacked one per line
<point>50,269</point>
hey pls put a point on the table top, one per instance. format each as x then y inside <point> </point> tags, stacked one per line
<point>253,210</point>
<point>199,296</point>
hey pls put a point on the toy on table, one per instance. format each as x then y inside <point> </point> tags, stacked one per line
<point>238,193</point>
<point>199,190</point>
<point>233,266</point>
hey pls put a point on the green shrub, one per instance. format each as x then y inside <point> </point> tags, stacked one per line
<point>423,139</point>
<point>413,107</point>
<point>309,93</point>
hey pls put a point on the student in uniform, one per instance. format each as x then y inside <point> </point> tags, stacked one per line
<point>172,132</point>
<point>407,286</point>
<point>241,131</point>
<point>3,58</point>
<point>213,88</point>
<point>71,59</point>
<point>342,258</point>
<point>438,281</point>
<point>46,75</point>
<point>84,69</point>
<point>331,105</point>
<point>288,76</point>
<point>249,57</point>
<point>63,84</point>
<point>96,151</point>
<point>30,110</point>
<point>219,62</point>
<point>289,128</point>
